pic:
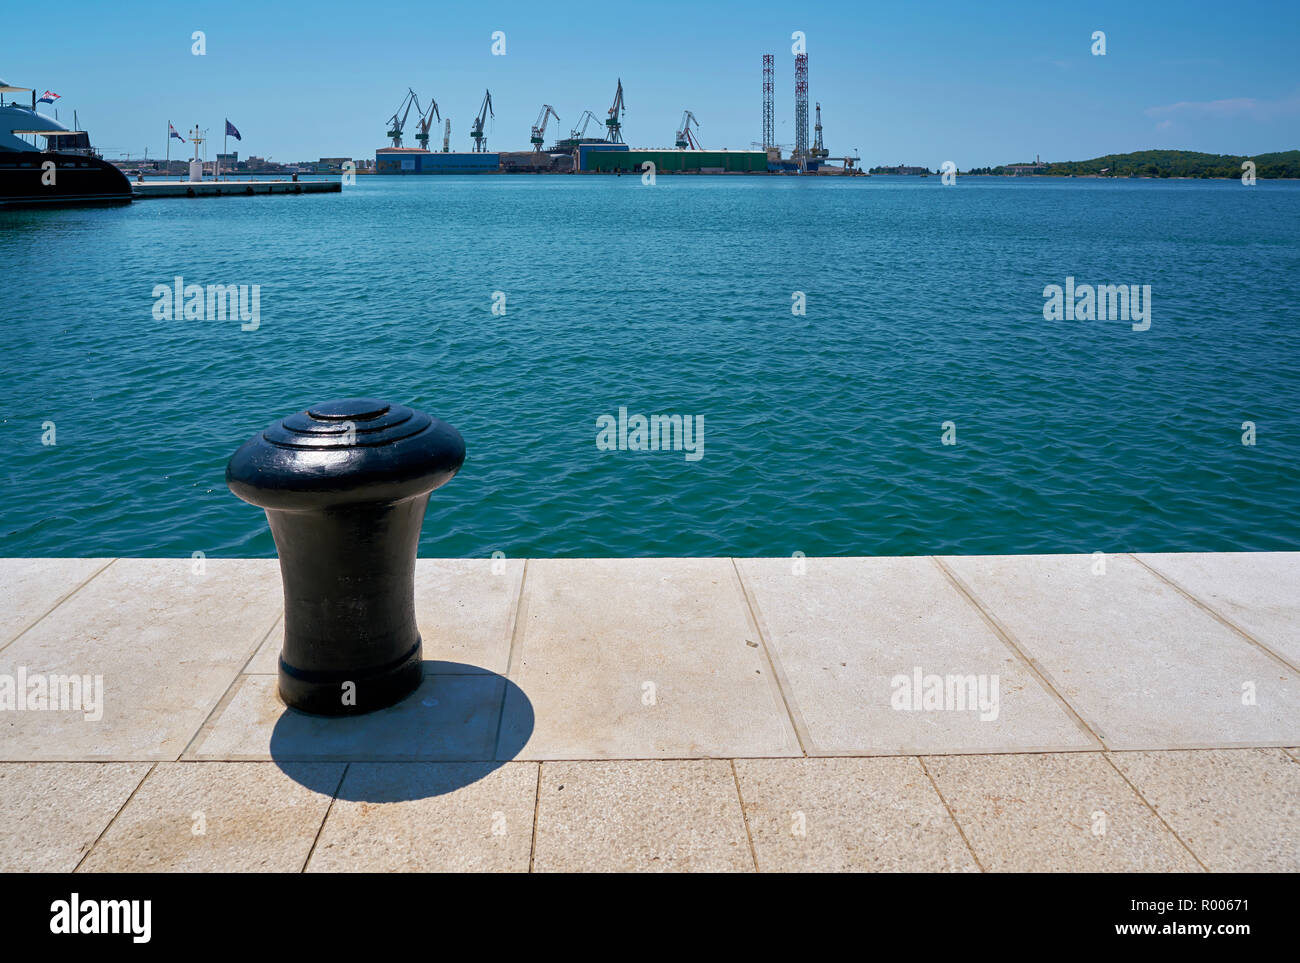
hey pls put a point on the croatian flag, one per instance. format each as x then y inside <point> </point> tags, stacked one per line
<point>172,132</point>
<point>232,130</point>
<point>48,97</point>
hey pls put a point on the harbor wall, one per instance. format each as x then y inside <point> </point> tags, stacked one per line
<point>681,161</point>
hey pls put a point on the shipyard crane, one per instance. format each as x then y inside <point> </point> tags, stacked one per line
<point>425,122</point>
<point>480,139</point>
<point>446,135</point>
<point>685,138</point>
<point>579,132</point>
<point>613,123</point>
<point>539,129</point>
<point>397,123</point>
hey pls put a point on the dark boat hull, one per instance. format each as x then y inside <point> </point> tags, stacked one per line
<point>77,179</point>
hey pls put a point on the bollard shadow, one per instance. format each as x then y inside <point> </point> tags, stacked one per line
<point>467,720</point>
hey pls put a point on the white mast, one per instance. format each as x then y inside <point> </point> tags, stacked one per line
<point>196,165</point>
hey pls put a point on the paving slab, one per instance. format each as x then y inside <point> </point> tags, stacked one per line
<point>267,659</point>
<point>644,658</point>
<point>644,816</point>
<point>858,640</point>
<point>465,609</point>
<point>1257,591</point>
<point>449,717</point>
<point>215,817</point>
<point>1063,812</point>
<point>1238,810</point>
<point>31,587</point>
<point>167,643</point>
<point>51,812</point>
<point>1143,665</point>
<point>436,817</point>
<point>848,815</point>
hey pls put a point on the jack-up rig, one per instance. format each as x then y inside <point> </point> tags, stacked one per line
<point>819,150</point>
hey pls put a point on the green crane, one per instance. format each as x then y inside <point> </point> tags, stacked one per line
<point>480,138</point>
<point>539,129</point>
<point>425,122</point>
<point>613,123</point>
<point>396,123</point>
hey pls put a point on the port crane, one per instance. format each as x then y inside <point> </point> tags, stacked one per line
<point>613,123</point>
<point>579,131</point>
<point>480,139</point>
<point>446,135</point>
<point>539,129</point>
<point>425,122</point>
<point>685,138</point>
<point>395,123</point>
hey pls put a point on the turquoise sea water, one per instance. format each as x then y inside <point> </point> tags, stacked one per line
<point>822,432</point>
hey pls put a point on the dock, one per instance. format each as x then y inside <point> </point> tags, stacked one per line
<point>143,189</point>
<point>1142,713</point>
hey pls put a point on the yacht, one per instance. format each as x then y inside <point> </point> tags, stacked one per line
<point>66,171</point>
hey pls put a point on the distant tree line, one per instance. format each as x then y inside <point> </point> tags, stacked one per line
<point>1166,163</point>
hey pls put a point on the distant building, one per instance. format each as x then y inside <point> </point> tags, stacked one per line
<point>1021,170</point>
<point>900,169</point>
<point>228,161</point>
<point>331,165</point>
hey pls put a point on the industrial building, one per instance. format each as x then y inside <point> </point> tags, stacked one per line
<point>416,160</point>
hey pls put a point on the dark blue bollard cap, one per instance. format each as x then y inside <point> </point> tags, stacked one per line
<point>343,452</point>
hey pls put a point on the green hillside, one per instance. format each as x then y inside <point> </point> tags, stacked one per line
<point>1171,163</point>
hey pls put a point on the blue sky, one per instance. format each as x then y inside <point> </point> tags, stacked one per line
<point>977,83</point>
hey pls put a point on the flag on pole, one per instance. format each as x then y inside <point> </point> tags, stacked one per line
<point>172,132</point>
<point>48,97</point>
<point>232,130</point>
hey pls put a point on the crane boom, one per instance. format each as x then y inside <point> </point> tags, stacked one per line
<point>425,122</point>
<point>397,124</point>
<point>685,138</point>
<point>614,123</point>
<point>480,139</point>
<point>579,132</point>
<point>539,129</point>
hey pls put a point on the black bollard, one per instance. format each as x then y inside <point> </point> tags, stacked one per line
<point>344,485</point>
